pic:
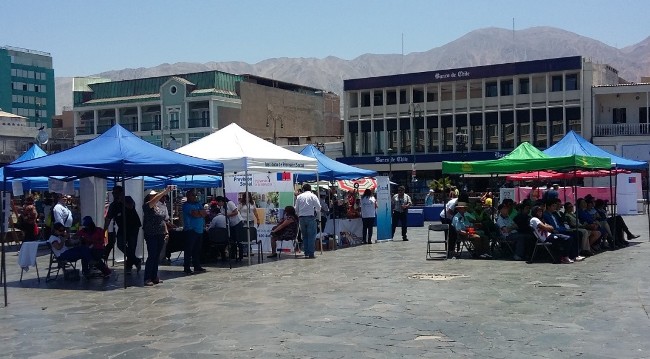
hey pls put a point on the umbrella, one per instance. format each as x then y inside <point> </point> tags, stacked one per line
<point>364,183</point>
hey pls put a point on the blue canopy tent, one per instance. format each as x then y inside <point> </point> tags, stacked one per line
<point>31,153</point>
<point>116,154</point>
<point>329,169</point>
<point>574,144</point>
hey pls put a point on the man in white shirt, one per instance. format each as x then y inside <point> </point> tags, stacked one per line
<point>235,222</point>
<point>308,209</point>
<point>61,213</point>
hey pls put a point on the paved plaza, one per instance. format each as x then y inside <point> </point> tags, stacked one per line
<point>372,301</point>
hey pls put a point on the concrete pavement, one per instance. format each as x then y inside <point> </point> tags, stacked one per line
<point>372,301</point>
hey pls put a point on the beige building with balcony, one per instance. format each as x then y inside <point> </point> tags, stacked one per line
<point>172,111</point>
<point>16,136</point>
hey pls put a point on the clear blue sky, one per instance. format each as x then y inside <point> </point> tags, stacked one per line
<point>88,37</point>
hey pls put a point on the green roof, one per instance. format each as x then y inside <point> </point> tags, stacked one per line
<point>201,83</point>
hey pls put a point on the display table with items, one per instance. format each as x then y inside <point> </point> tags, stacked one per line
<point>348,232</point>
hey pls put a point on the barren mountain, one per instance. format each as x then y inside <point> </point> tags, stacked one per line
<point>480,47</point>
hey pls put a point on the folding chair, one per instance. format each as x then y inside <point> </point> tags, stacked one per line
<point>56,265</point>
<point>434,240</point>
<point>295,245</point>
<point>219,240</point>
<point>254,242</point>
<point>465,242</point>
<point>538,243</point>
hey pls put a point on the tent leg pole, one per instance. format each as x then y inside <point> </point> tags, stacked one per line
<point>3,264</point>
<point>248,217</point>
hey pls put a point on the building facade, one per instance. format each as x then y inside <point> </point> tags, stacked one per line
<point>621,119</point>
<point>16,136</point>
<point>27,85</point>
<point>172,111</point>
<point>404,122</point>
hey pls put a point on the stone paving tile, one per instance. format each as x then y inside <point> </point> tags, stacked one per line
<point>377,301</point>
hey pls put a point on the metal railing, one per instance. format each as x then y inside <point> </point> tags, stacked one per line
<point>130,126</point>
<point>198,122</point>
<point>85,130</point>
<point>622,129</point>
<point>150,126</point>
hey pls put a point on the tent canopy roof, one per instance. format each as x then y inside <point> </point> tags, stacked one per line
<point>525,158</point>
<point>329,169</point>
<point>239,150</point>
<point>574,144</point>
<point>117,152</point>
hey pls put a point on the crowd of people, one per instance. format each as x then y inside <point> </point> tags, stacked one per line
<point>517,227</point>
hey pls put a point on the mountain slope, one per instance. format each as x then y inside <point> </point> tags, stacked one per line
<point>480,47</point>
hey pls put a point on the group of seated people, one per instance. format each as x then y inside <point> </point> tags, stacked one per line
<point>574,235</point>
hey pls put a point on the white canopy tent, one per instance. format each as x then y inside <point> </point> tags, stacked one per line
<point>241,151</point>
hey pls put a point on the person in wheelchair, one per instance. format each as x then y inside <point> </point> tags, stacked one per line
<point>286,230</point>
<point>72,250</point>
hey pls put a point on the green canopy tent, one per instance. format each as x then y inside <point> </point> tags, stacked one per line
<point>525,158</point>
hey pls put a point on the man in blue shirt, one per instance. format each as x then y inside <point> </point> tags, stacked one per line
<point>193,226</point>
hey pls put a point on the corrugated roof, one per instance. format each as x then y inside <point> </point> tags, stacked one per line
<point>181,80</point>
<point>125,98</point>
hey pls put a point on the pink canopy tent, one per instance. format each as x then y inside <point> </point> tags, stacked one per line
<point>553,175</point>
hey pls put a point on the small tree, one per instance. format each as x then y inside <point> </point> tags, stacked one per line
<point>441,185</point>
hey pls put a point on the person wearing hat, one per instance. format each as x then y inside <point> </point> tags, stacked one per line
<point>429,199</point>
<point>155,234</point>
<point>61,213</point>
<point>462,226</point>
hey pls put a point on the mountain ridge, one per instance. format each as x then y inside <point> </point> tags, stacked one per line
<point>486,46</point>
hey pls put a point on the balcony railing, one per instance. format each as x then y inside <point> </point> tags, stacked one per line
<point>85,130</point>
<point>622,129</point>
<point>150,126</point>
<point>130,126</point>
<point>198,122</point>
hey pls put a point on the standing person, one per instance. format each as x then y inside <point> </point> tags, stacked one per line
<point>368,214</point>
<point>122,210</point>
<point>61,213</point>
<point>29,220</point>
<point>155,233</point>
<point>162,207</point>
<point>236,225</point>
<point>401,203</point>
<point>429,199</point>
<point>308,209</point>
<point>248,211</point>
<point>193,227</point>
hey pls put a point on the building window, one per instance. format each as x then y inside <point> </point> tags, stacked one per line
<point>619,115</point>
<point>556,83</point>
<point>491,89</point>
<point>391,97</point>
<point>571,82</point>
<point>378,98</point>
<point>418,96</point>
<point>506,88</point>
<point>354,102</point>
<point>643,114</point>
<point>524,86</point>
<point>293,141</point>
<point>402,97</point>
<point>173,90</point>
<point>432,94</point>
<point>365,99</point>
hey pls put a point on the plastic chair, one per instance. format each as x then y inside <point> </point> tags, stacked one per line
<point>56,265</point>
<point>432,252</point>
<point>546,245</point>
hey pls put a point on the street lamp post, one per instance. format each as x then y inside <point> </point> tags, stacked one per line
<point>271,117</point>
<point>461,142</point>
<point>390,151</point>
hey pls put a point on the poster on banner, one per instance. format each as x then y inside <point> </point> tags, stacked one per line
<point>628,190</point>
<point>17,188</point>
<point>384,229</point>
<point>61,187</point>
<point>269,194</point>
<point>507,193</point>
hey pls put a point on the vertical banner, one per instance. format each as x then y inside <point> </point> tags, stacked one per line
<point>384,228</point>
<point>270,192</point>
<point>628,190</point>
<point>92,190</point>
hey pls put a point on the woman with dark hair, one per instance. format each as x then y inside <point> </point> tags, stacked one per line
<point>286,230</point>
<point>566,246</point>
<point>155,233</point>
<point>368,214</point>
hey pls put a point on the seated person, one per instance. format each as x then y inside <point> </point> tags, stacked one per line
<point>509,232</point>
<point>615,223</point>
<point>218,233</point>
<point>286,230</point>
<point>71,250</point>
<point>589,238</point>
<point>92,237</point>
<point>461,225</point>
<point>590,223</point>
<point>565,245</point>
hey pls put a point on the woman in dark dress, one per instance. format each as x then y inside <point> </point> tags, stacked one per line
<point>286,230</point>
